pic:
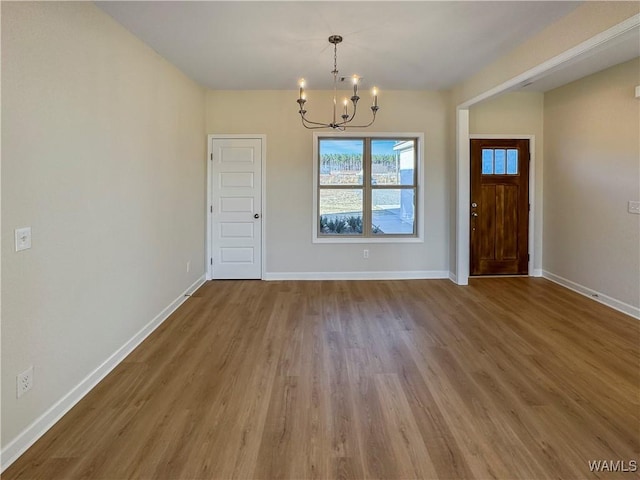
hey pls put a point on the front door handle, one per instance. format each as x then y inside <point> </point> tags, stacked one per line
<point>257,215</point>
<point>474,214</point>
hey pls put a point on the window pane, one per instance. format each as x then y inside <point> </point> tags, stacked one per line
<point>501,160</point>
<point>512,162</point>
<point>392,162</point>
<point>487,161</point>
<point>341,161</point>
<point>340,212</point>
<point>392,211</point>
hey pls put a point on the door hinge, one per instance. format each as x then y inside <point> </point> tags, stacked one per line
<point>211,261</point>
<point>211,208</point>
<point>211,156</point>
<point>528,256</point>
<point>529,207</point>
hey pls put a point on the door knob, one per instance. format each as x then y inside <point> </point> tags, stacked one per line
<point>474,205</point>
<point>257,215</point>
<point>474,214</point>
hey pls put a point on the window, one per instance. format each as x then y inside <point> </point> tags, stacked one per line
<point>366,188</point>
<point>499,161</point>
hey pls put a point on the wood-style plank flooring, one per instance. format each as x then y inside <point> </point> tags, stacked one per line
<point>506,378</point>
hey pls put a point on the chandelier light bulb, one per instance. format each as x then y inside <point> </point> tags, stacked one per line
<point>302,96</point>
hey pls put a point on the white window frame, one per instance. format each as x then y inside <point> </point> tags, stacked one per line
<point>420,206</point>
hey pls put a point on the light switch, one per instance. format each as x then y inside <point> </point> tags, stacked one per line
<point>23,238</point>
<point>634,207</point>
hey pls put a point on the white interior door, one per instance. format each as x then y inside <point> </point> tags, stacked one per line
<point>236,208</point>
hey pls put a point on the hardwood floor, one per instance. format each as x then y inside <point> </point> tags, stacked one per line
<point>507,378</point>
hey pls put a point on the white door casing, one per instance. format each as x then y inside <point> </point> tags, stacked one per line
<point>235,207</point>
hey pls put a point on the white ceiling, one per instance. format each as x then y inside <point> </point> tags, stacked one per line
<point>415,45</point>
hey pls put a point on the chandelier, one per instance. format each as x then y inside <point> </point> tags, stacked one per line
<point>347,117</point>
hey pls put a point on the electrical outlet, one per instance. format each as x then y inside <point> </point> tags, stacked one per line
<point>365,253</point>
<point>188,267</point>
<point>23,238</point>
<point>24,382</point>
<point>634,207</point>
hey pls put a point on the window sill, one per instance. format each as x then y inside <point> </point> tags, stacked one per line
<point>361,240</point>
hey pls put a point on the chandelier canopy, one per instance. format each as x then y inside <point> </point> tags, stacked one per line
<point>347,117</point>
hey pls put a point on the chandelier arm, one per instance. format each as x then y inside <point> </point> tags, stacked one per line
<point>302,113</point>
<point>367,125</point>
<point>353,116</point>
<point>313,128</point>
<point>355,110</point>
<point>305,120</point>
<point>306,123</point>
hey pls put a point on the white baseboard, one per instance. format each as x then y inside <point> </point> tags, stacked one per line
<point>411,275</point>
<point>537,272</point>
<point>39,427</point>
<point>453,277</point>
<point>594,295</point>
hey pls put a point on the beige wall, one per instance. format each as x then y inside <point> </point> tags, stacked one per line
<point>592,169</point>
<point>103,155</point>
<point>289,178</point>
<point>517,114</point>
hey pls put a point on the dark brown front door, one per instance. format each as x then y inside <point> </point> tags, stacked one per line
<point>499,207</point>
